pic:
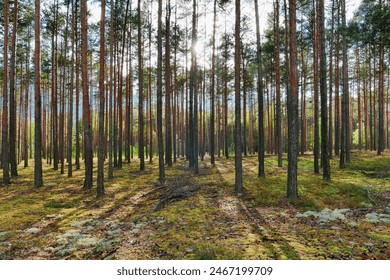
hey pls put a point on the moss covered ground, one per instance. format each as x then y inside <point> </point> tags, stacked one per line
<point>346,218</point>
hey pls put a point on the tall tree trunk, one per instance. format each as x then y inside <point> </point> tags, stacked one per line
<point>292,103</point>
<point>365,104</point>
<point>111,120</point>
<point>86,107</point>
<point>303,104</point>
<point>194,91</point>
<point>101,153</point>
<point>4,126</point>
<point>330,135</point>
<point>323,92</point>
<point>12,93</point>
<point>345,131</point>
<point>150,88</point>
<point>141,153</point>
<point>26,103</point>
<point>159,98</point>
<point>316,99</point>
<point>77,44</point>
<point>168,93</point>
<point>360,133</point>
<point>278,119</point>
<point>381,102</point>
<point>70,109</point>
<point>212,89</point>
<point>337,87</point>
<point>38,181</point>
<point>237,129</point>
<point>120,89</point>
<point>260,96</point>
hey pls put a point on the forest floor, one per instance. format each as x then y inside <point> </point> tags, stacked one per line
<point>199,216</point>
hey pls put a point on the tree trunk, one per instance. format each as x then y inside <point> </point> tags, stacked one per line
<point>330,140</point>
<point>111,121</point>
<point>278,119</point>
<point>159,98</point>
<point>237,128</point>
<point>141,154</point>
<point>101,153</point>
<point>77,160</point>
<point>337,87</point>
<point>168,93</point>
<point>292,102</point>
<point>260,96</point>
<point>4,126</point>
<point>38,181</point>
<point>86,107</point>
<point>345,131</point>
<point>70,109</point>
<point>212,89</point>
<point>12,93</point>
<point>194,91</point>
<point>316,99</point>
<point>26,103</point>
<point>323,92</point>
<point>150,88</point>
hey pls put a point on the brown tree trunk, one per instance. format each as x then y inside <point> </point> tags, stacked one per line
<point>323,91</point>
<point>26,103</point>
<point>150,88</point>
<point>70,108</point>
<point>159,98</point>
<point>77,160</point>
<point>4,126</point>
<point>330,141</point>
<point>292,103</point>
<point>260,96</point>
<point>212,89</point>
<point>12,98</point>
<point>168,93</point>
<point>101,152</point>
<point>337,87</point>
<point>360,136</point>
<point>345,131</point>
<point>86,107</point>
<point>141,154</point>
<point>38,181</point>
<point>237,118</point>
<point>278,116</point>
<point>316,99</point>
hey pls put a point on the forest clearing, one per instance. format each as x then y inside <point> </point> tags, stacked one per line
<point>206,220</point>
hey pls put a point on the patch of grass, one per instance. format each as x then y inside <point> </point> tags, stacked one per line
<point>62,204</point>
<point>381,237</point>
<point>207,251</point>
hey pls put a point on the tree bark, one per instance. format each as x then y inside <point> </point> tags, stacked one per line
<point>159,98</point>
<point>212,89</point>
<point>292,102</point>
<point>4,126</point>
<point>101,152</point>
<point>168,93</point>
<point>12,93</point>
<point>260,96</point>
<point>323,92</point>
<point>38,181</point>
<point>86,107</point>
<point>141,154</point>
<point>278,119</point>
<point>237,129</point>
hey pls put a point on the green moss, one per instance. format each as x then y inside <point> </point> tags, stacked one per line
<point>62,204</point>
<point>207,251</point>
